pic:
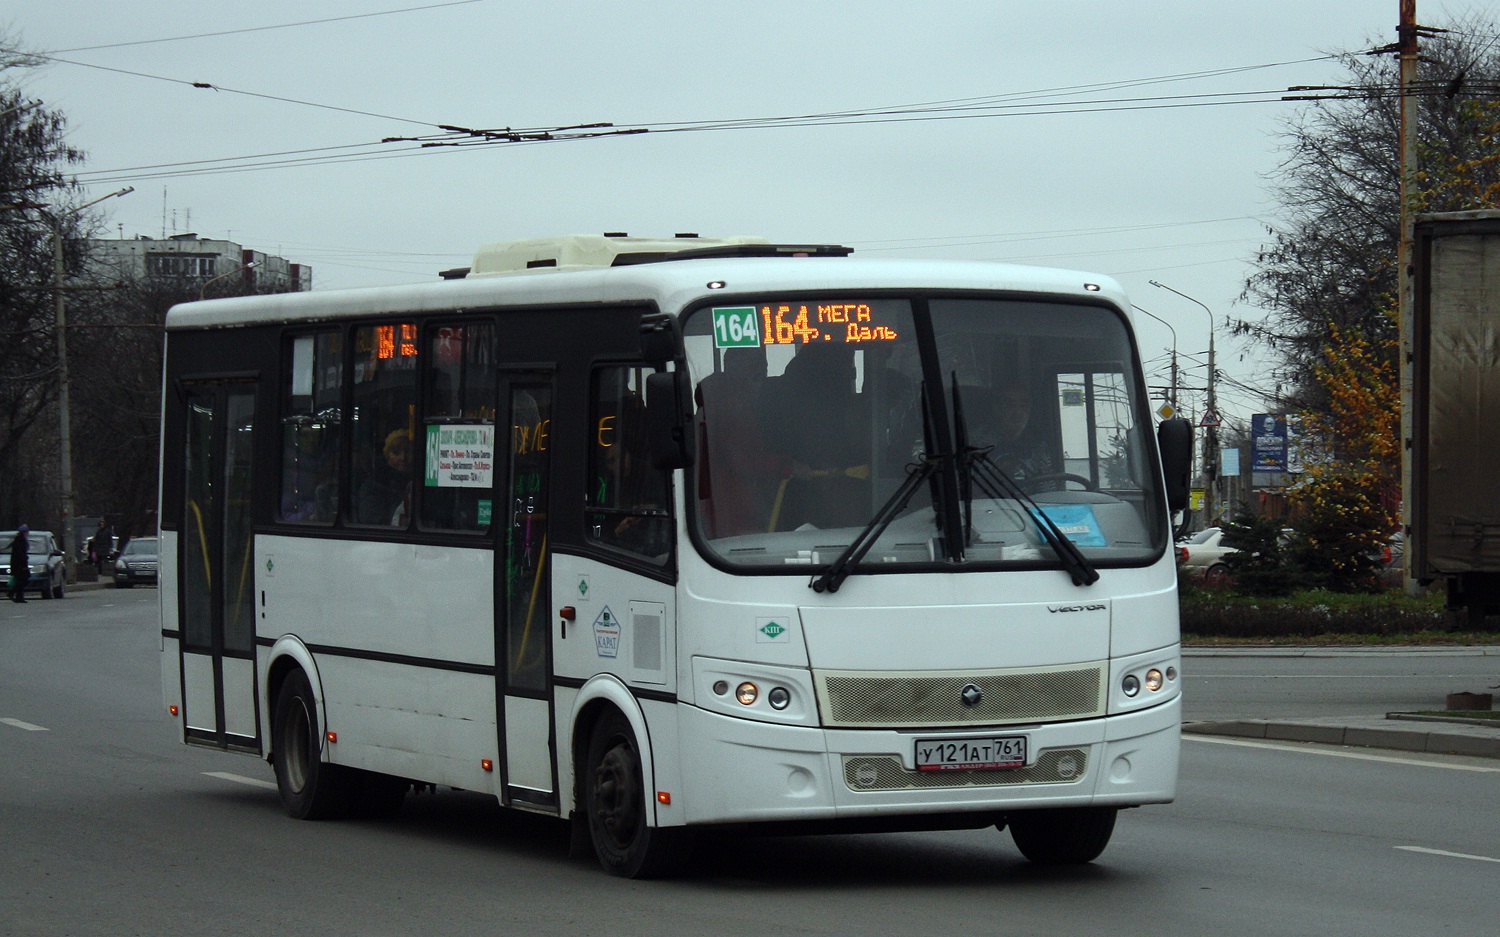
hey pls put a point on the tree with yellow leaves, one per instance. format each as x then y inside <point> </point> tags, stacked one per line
<point>1349,497</point>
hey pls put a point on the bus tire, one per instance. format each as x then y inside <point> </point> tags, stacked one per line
<point>310,788</point>
<point>615,801</point>
<point>1063,836</point>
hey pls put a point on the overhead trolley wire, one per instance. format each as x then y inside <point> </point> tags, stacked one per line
<point>256,29</point>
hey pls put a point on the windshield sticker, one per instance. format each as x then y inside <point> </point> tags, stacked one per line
<point>1077,522</point>
<point>606,634</point>
<point>735,327</point>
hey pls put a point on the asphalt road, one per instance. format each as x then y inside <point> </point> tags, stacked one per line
<point>1298,683</point>
<point>109,826</point>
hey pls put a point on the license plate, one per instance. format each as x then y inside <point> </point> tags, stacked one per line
<point>982,754</point>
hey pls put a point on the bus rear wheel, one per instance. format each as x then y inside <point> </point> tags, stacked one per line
<point>310,788</point>
<point>1063,836</point>
<point>615,801</point>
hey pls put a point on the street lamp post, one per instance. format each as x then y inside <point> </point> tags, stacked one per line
<point>1172,390</point>
<point>64,414</point>
<point>1211,438</point>
<point>203,290</point>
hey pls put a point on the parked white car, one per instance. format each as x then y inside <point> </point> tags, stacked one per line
<point>1201,556</point>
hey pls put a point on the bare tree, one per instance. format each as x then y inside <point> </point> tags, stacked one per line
<point>33,185</point>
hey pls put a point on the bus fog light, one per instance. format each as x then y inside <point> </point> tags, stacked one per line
<point>779,697</point>
<point>721,687</point>
<point>1131,684</point>
<point>747,693</point>
<point>1153,680</point>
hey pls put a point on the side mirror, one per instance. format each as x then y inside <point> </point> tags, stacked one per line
<point>666,424</point>
<point>661,339</point>
<point>1175,440</point>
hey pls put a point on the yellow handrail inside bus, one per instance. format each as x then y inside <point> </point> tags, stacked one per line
<point>536,587</point>
<point>859,472</point>
<point>202,541</point>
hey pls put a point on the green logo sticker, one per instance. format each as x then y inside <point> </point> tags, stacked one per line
<point>771,631</point>
<point>736,327</point>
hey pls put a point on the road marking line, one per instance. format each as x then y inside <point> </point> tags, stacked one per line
<point>1444,852</point>
<point>1305,748</point>
<point>24,725</point>
<point>241,779</point>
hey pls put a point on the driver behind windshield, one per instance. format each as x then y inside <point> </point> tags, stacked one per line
<point>1005,424</point>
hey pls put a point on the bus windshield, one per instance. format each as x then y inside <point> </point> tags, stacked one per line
<point>945,430</point>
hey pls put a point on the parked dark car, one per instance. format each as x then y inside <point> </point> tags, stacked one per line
<point>136,563</point>
<point>46,575</point>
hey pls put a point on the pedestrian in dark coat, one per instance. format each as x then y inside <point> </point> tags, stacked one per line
<point>20,564</point>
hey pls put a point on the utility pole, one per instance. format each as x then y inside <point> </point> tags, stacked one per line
<point>64,408</point>
<point>1406,47</point>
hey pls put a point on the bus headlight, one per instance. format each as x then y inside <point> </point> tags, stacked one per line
<point>1153,680</point>
<point>773,693</point>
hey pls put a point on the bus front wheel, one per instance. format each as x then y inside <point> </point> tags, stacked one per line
<point>1063,836</point>
<point>310,788</point>
<point>615,800</point>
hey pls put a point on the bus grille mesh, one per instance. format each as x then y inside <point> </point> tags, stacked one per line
<point>912,700</point>
<point>886,773</point>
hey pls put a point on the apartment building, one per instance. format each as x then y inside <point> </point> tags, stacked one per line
<point>197,260</point>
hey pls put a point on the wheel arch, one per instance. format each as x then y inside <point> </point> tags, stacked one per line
<point>596,697</point>
<point>289,654</point>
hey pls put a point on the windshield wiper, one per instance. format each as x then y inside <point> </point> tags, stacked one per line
<point>976,466</point>
<point>837,571</point>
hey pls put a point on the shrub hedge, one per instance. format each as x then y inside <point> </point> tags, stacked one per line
<point>1212,613</point>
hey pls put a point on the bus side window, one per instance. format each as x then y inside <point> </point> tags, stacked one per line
<point>459,439</point>
<point>310,424</point>
<point>385,448</point>
<point>629,501</point>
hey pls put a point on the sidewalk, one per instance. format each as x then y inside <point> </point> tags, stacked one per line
<point>1406,732</point>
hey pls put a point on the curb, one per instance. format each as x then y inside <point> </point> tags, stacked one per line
<point>1422,650</point>
<point>1452,739</point>
<point>73,587</point>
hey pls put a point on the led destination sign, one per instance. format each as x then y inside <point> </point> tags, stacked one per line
<point>795,323</point>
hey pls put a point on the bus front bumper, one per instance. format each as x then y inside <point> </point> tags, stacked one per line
<point>747,771</point>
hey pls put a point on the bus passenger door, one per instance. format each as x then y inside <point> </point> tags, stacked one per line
<point>217,568</point>
<point>523,604</point>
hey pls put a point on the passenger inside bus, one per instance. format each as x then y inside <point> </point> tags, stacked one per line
<point>309,482</point>
<point>385,494</point>
<point>820,429</point>
<point>737,471</point>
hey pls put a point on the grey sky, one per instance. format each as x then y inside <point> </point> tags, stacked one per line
<point>1173,193</point>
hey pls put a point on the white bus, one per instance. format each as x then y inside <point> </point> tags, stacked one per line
<point>681,535</point>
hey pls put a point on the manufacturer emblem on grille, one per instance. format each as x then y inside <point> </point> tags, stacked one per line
<point>971,695</point>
